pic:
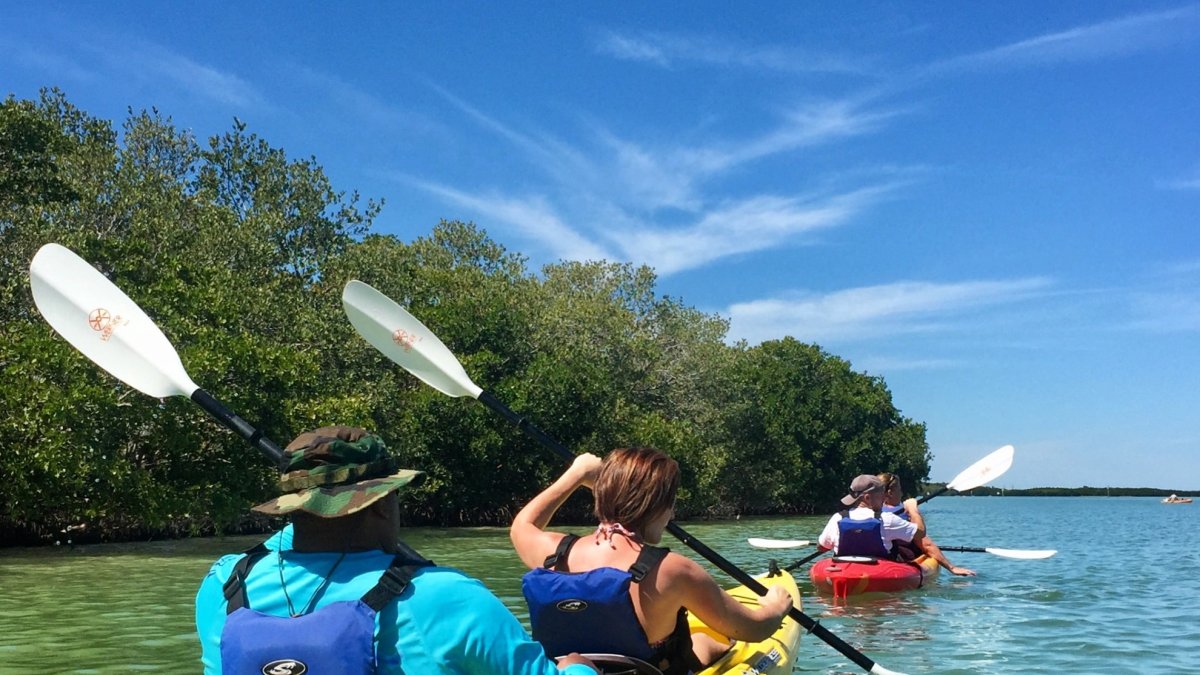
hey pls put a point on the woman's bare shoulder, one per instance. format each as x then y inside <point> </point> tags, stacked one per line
<point>680,570</point>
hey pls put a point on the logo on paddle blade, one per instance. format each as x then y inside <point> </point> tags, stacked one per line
<point>405,339</point>
<point>571,606</point>
<point>285,667</point>
<point>102,321</point>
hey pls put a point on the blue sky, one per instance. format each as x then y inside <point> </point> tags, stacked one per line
<point>994,206</point>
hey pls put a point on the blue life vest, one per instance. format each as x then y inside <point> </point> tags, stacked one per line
<point>860,537</point>
<point>592,612</point>
<point>337,638</point>
<point>898,510</point>
<point>904,551</point>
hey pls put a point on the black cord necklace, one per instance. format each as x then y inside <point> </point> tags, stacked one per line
<point>316,594</point>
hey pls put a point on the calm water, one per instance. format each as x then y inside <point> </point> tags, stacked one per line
<point>1121,596</point>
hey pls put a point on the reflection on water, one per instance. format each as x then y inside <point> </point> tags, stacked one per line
<point>1114,600</point>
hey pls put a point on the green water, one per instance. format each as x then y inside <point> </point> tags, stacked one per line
<point>1122,595</point>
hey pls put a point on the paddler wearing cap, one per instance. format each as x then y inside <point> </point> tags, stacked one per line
<point>864,528</point>
<point>343,594</point>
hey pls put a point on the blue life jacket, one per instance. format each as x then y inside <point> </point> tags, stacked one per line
<point>904,551</point>
<point>337,638</point>
<point>592,612</point>
<point>860,537</point>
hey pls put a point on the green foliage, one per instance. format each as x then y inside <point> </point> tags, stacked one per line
<point>800,423</point>
<point>240,253</point>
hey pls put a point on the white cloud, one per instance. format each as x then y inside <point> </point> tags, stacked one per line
<point>1166,312</point>
<point>874,311</point>
<point>532,216</point>
<point>345,101</point>
<point>667,50</point>
<point>1189,182</point>
<point>879,365</point>
<point>632,49</point>
<point>617,191</point>
<point>1168,301</point>
<point>744,226</point>
<point>1117,37</point>
<point>111,58</point>
<point>193,77</point>
<point>1183,268</point>
<point>61,67</point>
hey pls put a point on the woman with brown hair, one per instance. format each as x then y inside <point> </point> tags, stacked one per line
<point>613,591</point>
<point>894,502</point>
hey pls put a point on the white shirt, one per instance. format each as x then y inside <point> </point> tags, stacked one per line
<point>894,528</point>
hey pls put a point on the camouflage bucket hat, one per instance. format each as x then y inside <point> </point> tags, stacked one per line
<point>337,471</point>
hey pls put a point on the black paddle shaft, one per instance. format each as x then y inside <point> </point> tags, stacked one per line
<point>243,428</point>
<point>699,547</point>
<point>931,495</point>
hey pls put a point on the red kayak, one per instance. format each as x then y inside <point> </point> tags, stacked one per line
<point>850,575</point>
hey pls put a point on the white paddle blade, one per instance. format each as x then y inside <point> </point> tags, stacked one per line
<point>984,471</point>
<point>99,320</point>
<point>777,543</point>
<point>402,338</point>
<point>1020,555</point>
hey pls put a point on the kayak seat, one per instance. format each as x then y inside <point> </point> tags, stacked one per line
<point>616,664</point>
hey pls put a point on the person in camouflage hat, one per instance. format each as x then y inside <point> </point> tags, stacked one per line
<point>337,471</point>
<point>337,591</point>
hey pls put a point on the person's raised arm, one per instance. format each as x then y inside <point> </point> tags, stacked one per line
<point>701,595</point>
<point>914,513</point>
<point>528,533</point>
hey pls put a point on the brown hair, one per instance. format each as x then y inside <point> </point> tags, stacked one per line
<point>888,480</point>
<point>635,485</point>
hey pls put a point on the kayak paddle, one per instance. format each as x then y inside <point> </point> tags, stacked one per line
<point>1015,554</point>
<point>796,564</point>
<point>405,340</point>
<point>758,542</point>
<point>99,320</point>
<point>982,472</point>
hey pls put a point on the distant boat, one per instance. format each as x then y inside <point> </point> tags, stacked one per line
<point>1177,500</point>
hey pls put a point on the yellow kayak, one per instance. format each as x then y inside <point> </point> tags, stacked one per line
<point>776,654</point>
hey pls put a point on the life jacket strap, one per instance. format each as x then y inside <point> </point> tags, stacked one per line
<point>394,581</point>
<point>649,557</point>
<point>558,560</point>
<point>235,585</point>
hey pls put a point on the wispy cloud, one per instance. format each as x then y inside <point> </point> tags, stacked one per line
<point>532,216</point>
<point>1167,301</point>
<point>1183,268</point>
<point>188,75</point>
<point>648,176</point>
<point>875,311</point>
<point>112,58</point>
<point>669,50</point>
<point>345,101</point>
<point>61,69</point>
<point>893,364</point>
<point>745,226</point>
<point>1187,182</point>
<point>1106,39</point>
<point>1166,312</point>
<point>613,191</point>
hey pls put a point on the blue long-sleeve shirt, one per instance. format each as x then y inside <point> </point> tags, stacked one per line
<point>444,622</point>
